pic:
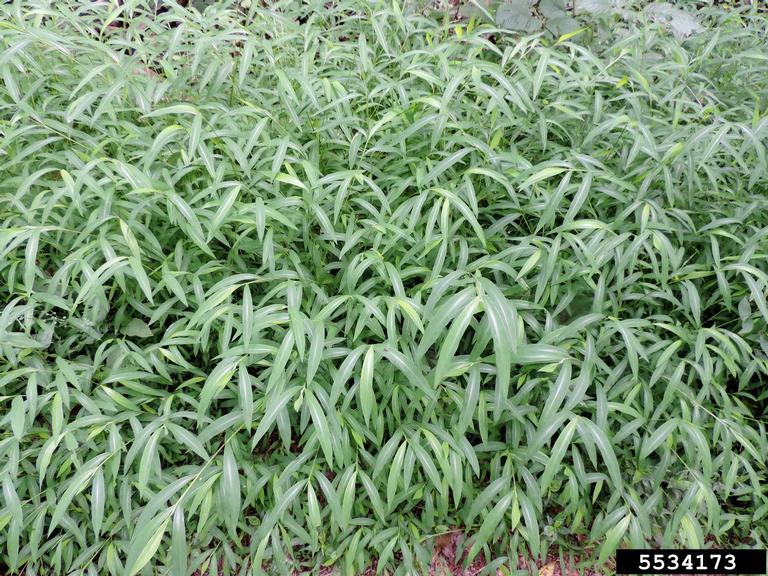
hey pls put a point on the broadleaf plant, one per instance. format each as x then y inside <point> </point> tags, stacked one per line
<point>294,285</point>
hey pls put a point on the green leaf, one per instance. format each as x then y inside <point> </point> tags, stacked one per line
<point>274,515</point>
<point>316,346</point>
<point>321,427</point>
<point>137,328</point>
<point>658,436</point>
<point>395,472</point>
<point>470,401</point>
<point>558,392</point>
<point>245,394</point>
<point>490,525</point>
<point>98,500</point>
<point>18,416</point>
<point>179,550</point>
<point>214,384</point>
<point>230,489</point>
<point>313,507</point>
<point>445,164</point>
<point>75,485</point>
<point>145,542</point>
<point>188,439</point>
<point>538,354</point>
<point>531,524</point>
<point>174,109</point>
<point>275,405</point>
<point>428,465</point>
<point>502,319</point>
<point>451,342</point>
<point>588,429</point>
<point>367,395</point>
<point>612,540</point>
<point>556,456</point>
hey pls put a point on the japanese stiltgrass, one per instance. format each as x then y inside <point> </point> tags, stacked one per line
<point>309,284</point>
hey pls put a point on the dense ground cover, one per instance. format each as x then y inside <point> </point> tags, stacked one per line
<point>313,288</point>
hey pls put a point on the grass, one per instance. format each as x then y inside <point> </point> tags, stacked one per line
<point>315,284</point>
